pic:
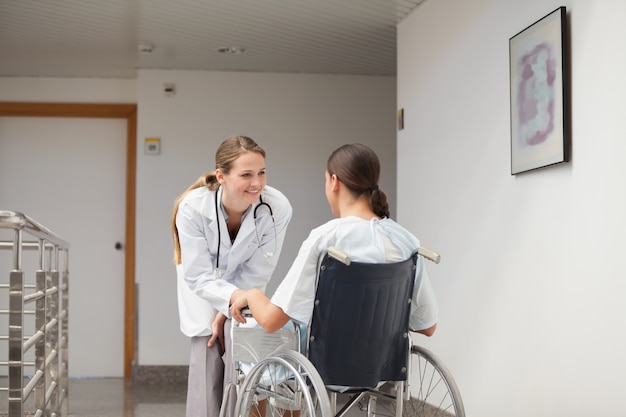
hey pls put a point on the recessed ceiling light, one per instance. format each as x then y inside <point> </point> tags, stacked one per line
<point>231,49</point>
<point>145,47</point>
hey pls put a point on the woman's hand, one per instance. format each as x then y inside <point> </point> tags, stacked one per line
<point>218,332</point>
<point>239,302</point>
<point>266,314</point>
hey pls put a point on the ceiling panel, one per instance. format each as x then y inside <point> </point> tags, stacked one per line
<point>96,38</point>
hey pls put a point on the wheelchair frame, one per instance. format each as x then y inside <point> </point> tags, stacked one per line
<point>291,385</point>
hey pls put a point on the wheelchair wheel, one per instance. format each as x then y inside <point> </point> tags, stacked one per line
<point>283,384</point>
<point>433,391</point>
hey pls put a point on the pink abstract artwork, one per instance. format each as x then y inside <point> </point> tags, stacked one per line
<point>535,97</point>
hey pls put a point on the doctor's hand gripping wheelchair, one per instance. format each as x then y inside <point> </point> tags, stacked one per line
<point>357,337</point>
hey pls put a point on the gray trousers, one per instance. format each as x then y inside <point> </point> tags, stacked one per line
<point>228,370</point>
<point>209,375</point>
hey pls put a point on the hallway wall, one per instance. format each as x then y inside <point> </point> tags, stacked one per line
<point>531,281</point>
<point>298,118</point>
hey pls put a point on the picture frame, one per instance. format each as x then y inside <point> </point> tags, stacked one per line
<point>540,108</point>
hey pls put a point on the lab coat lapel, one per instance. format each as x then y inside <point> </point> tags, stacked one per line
<point>209,212</point>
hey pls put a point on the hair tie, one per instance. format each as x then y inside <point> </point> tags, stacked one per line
<point>373,187</point>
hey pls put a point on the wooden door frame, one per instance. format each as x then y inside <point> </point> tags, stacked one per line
<point>113,111</point>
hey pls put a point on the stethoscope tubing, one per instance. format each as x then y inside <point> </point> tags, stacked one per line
<point>219,233</point>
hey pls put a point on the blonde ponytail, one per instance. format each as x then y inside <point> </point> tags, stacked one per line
<point>206,180</point>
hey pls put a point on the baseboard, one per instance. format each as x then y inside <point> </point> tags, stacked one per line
<point>153,375</point>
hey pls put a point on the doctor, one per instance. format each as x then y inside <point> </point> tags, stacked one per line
<point>228,230</point>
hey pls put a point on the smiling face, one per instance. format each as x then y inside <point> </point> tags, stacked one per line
<point>242,186</point>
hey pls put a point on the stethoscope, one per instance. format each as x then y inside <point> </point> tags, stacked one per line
<point>256,229</point>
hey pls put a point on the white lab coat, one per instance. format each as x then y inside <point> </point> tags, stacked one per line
<point>242,264</point>
<point>373,241</point>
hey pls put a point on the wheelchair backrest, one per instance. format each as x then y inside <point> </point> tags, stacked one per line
<point>359,328</point>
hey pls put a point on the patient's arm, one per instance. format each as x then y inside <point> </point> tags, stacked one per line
<point>268,315</point>
<point>427,332</point>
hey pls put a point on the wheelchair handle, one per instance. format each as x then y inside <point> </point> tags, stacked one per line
<point>429,254</point>
<point>341,256</point>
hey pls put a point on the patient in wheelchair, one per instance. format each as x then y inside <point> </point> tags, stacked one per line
<point>362,229</point>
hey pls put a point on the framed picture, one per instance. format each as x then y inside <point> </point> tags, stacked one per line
<point>539,94</point>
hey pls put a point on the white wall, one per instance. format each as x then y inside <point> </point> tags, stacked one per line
<point>297,118</point>
<point>68,90</point>
<point>531,283</point>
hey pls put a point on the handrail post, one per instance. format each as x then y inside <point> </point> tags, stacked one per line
<point>64,335</point>
<point>16,330</point>
<point>52,341</point>
<point>40,324</point>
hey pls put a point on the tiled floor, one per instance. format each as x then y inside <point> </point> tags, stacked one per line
<point>116,397</point>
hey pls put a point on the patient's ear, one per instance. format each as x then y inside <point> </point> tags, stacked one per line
<point>334,182</point>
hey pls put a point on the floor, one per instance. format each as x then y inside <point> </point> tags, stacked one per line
<point>116,397</point>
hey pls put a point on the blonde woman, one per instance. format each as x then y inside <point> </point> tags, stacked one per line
<point>228,230</point>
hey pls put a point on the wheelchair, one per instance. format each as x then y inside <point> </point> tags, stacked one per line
<point>305,372</point>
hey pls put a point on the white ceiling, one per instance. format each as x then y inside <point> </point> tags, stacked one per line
<point>101,38</point>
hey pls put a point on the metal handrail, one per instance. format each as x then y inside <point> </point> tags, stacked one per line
<point>49,338</point>
<point>20,221</point>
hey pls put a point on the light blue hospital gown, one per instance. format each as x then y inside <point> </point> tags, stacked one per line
<point>373,241</point>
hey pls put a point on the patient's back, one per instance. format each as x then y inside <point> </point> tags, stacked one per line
<point>358,333</point>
